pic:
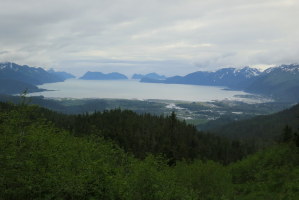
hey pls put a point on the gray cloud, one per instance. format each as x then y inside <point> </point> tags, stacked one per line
<point>4,52</point>
<point>177,36</point>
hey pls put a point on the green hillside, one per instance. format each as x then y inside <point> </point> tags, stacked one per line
<point>41,160</point>
<point>280,83</point>
<point>141,134</point>
<point>264,128</point>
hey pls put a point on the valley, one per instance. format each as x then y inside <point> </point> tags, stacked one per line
<point>111,135</point>
<point>149,100</point>
<point>199,114</point>
<point>207,100</point>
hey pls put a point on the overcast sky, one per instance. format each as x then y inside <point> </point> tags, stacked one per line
<point>166,36</point>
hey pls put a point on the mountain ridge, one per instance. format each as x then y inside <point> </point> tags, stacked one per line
<point>280,83</point>
<point>62,74</point>
<point>16,78</point>
<point>101,76</point>
<point>230,77</point>
<point>27,74</point>
<point>152,75</point>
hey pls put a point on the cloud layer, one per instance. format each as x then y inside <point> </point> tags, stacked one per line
<point>168,36</point>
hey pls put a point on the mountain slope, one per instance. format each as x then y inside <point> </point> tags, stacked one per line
<point>38,160</point>
<point>9,86</point>
<point>229,77</point>
<point>268,127</point>
<point>31,75</point>
<point>141,134</point>
<point>280,82</point>
<point>63,75</point>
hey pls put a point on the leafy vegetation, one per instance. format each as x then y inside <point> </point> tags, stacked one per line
<point>42,159</point>
<point>144,133</point>
<point>269,174</point>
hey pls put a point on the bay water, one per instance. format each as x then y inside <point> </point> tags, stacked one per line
<point>132,89</point>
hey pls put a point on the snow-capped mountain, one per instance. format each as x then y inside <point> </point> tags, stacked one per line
<point>280,82</point>
<point>248,72</point>
<point>230,77</point>
<point>234,77</point>
<point>245,72</point>
<point>292,68</point>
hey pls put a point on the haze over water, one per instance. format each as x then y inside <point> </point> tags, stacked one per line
<point>131,89</point>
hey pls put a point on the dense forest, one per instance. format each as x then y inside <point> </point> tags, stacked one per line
<point>264,127</point>
<point>119,154</point>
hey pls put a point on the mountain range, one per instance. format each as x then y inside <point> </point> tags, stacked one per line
<point>281,83</point>
<point>102,76</point>
<point>15,78</point>
<point>230,77</point>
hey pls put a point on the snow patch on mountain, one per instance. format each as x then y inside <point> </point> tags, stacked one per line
<point>292,68</point>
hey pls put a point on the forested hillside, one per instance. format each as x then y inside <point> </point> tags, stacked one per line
<point>40,159</point>
<point>141,134</point>
<point>280,82</point>
<point>263,128</point>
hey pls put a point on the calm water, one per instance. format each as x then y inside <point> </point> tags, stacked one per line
<point>130,89</point>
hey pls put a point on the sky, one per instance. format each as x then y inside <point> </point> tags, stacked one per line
<point>171,37</point>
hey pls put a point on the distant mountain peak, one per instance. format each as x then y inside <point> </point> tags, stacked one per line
<point>101,76</point>
<point>292,68</point>
<point>15,67</point>
<point>152,75</point>
<point>250,72</point>
<point>9,65</point>
<point>14,78</point>
<point>246,72</point>
<point>63,75</point>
